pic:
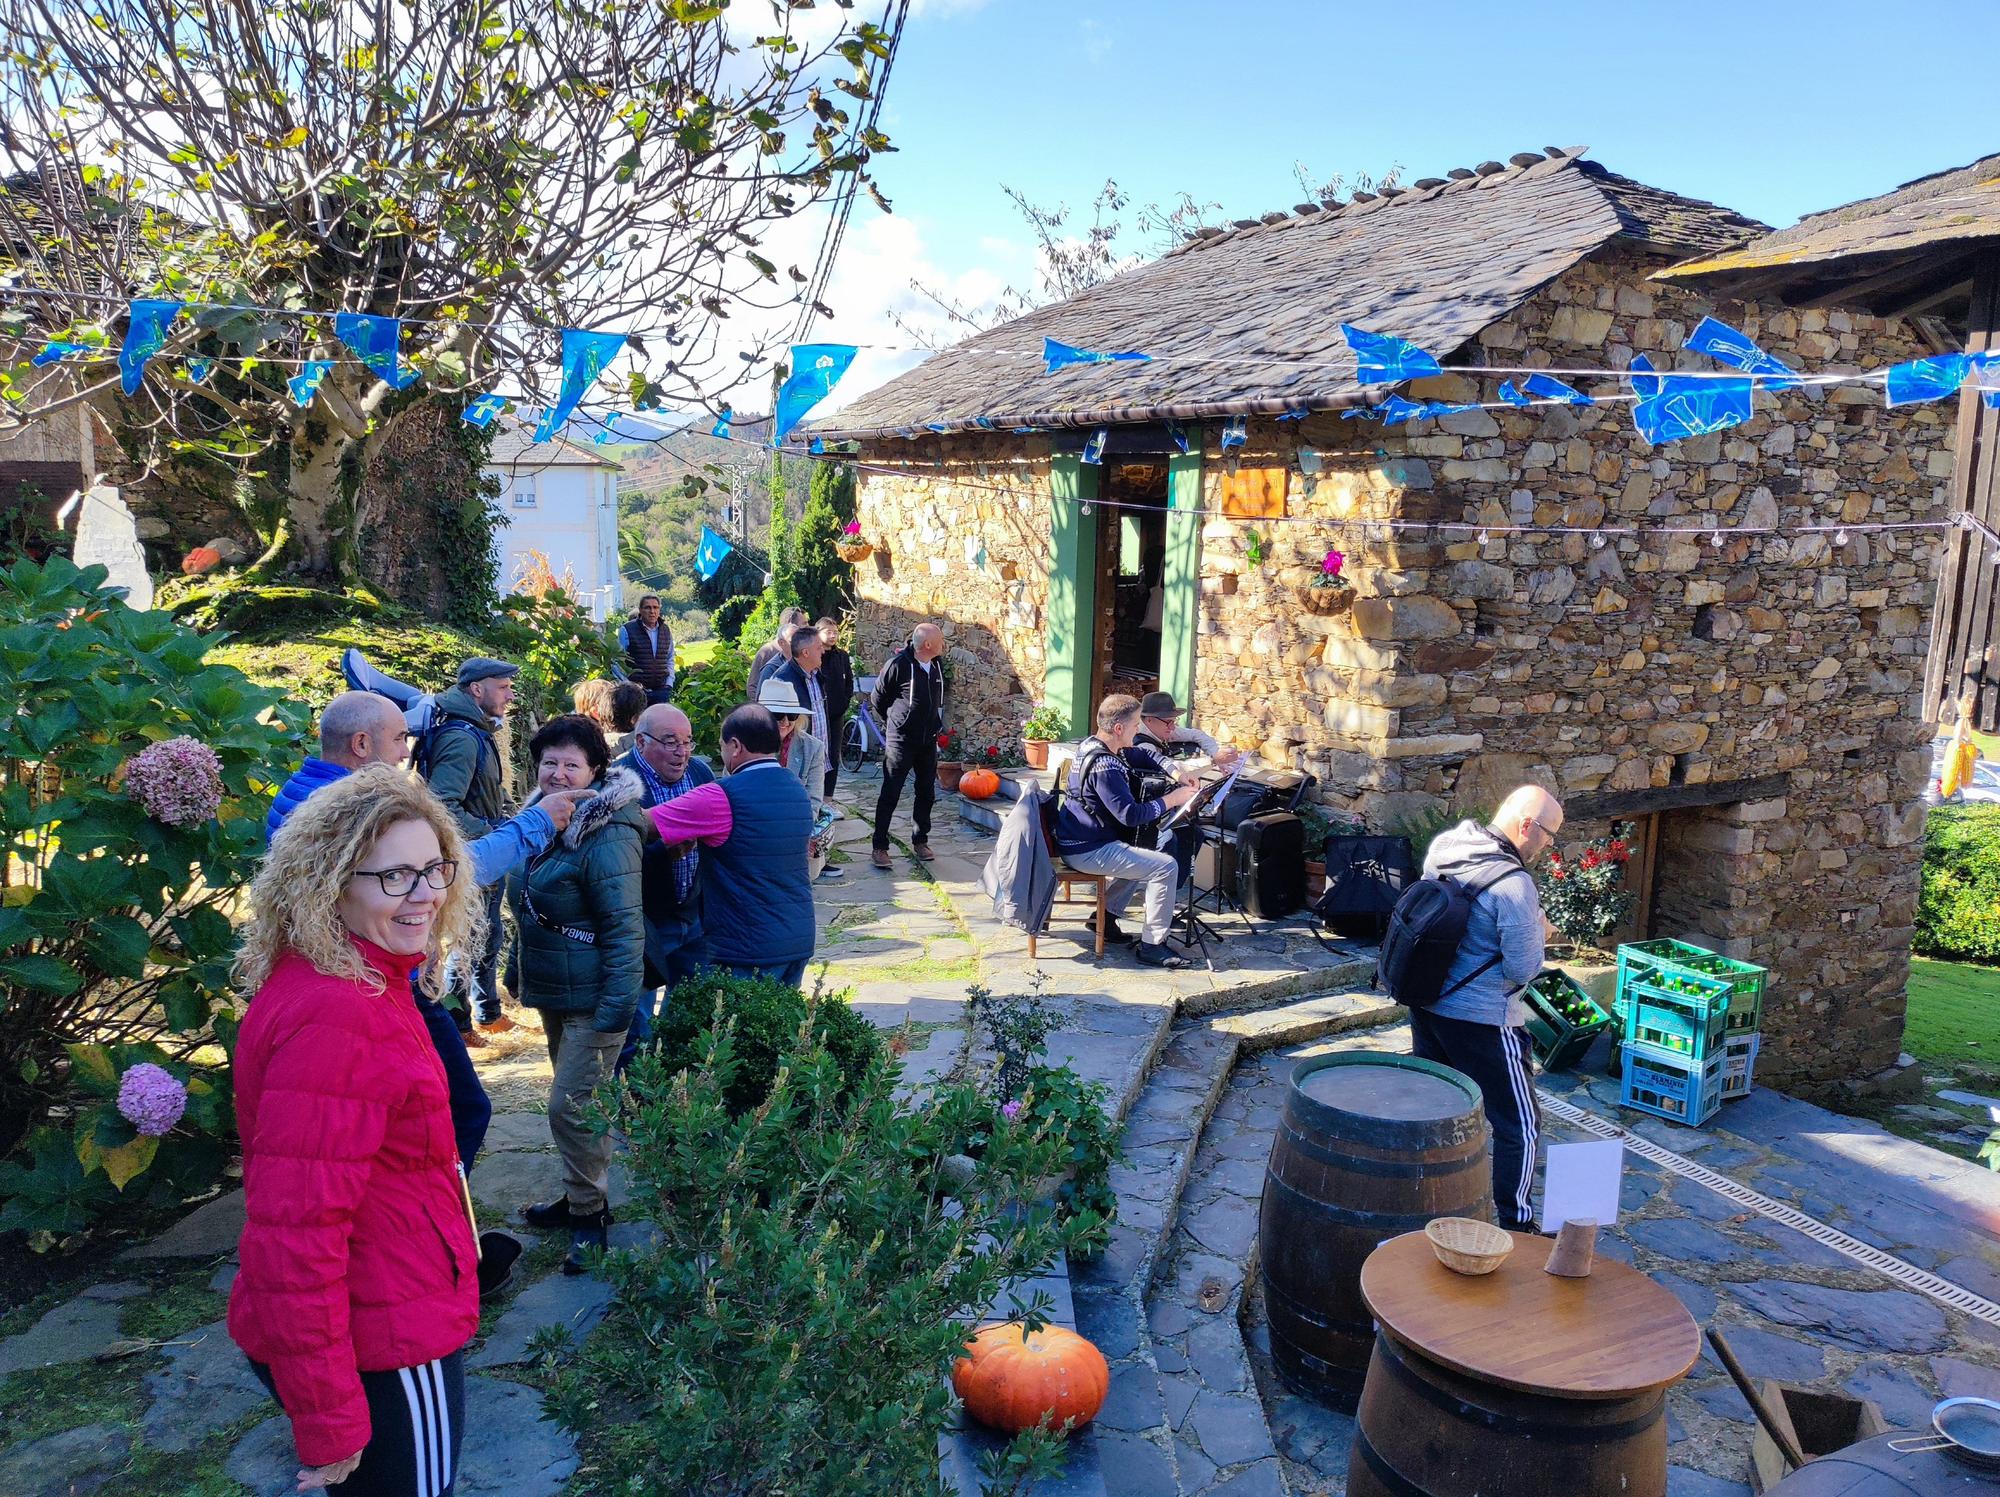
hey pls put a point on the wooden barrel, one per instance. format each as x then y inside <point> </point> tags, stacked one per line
<point>1872,1469</point>
<point>1425,1431</point>
<point>1370,1146</point>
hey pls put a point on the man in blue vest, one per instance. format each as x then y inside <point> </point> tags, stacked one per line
<point>662,756</point>
<point>649,650</point>
<point>757,908</point>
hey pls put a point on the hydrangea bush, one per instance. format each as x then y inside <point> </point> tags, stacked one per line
<point>134,777</point>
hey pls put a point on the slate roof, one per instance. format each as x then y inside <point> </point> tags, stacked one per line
<point>1948,207</point>
<point>1246,320</point>
<point>514,447</point>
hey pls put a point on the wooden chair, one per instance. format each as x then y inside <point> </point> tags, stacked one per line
<point>1068,878</point>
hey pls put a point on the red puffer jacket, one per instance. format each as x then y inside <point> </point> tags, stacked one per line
<point>357,1255</point>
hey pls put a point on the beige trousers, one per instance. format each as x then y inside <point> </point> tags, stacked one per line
<point>582,1058</point>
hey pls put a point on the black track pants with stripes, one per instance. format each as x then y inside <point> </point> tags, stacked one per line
<point>416,1416</point>
<point>1494,1059</point>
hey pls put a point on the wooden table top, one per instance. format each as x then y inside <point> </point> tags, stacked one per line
<point>1615,1334</point>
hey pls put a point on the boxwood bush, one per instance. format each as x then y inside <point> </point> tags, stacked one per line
<point>768,1016</point>
<point>1958,915</point>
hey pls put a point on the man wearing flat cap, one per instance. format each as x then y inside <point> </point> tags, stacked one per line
<point>460,758</point>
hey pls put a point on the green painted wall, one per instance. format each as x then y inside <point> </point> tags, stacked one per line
<point>1072,589</point>
<point>1181,585</point>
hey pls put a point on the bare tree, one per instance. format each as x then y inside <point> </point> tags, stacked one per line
<point>490,171</point>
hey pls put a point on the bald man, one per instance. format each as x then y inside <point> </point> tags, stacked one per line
<point>1479,1026</point>
<point>909,703</point>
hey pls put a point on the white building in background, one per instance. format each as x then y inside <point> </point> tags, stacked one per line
<point>559,498</point>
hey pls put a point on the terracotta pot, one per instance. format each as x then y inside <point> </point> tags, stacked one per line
<point>949,771</point>
<point>853,552</point>
<point>1326,601</point>
<point>1036,752</point>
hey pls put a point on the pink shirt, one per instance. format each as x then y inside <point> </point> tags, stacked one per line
<point>703,814</point>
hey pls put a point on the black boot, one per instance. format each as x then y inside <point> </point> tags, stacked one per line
<point>498,1253</point>
<point>1156,954</point>
<point>585,1233</point>
<point>550,1216</point>
<point>1113,934</point>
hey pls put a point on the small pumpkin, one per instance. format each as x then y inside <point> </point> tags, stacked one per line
<point>201,559</point>
<point>979,784</point>
<point>1011,1380</point>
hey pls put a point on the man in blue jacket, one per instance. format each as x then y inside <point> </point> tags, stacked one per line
<point>1101,817</point>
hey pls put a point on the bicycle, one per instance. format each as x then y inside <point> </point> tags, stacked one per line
<point>861,740</point>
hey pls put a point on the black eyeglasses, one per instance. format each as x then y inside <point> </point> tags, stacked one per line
<point>398,883</point>
<point>668,742</point>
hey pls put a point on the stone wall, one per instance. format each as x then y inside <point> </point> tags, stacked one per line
<point>961,537</point>
<point>1586,662</point>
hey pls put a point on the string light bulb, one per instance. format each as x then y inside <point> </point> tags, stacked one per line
<point>1597,540</point>
<point>1715,539</point>
<point>1840,537</point>
<point>1484,538</point>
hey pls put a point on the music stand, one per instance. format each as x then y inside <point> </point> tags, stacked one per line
<point>1187,921</point>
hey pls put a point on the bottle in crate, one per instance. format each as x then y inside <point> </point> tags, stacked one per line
<point>1645,960</point>
<point>1679,1092</point>
<point>1739,1060</point>
<point>1678,1019</point>
<point>1563,1020</point>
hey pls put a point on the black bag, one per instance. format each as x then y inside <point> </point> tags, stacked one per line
<point>1424,934</point>
<point>1365,876</point>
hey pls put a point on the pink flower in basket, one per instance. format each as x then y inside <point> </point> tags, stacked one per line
<point>852,530</point>
<point>178,782</point>
<point>1329,569</point>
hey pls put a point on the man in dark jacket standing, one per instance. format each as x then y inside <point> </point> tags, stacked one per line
<point>757,907</point>
<point>663,757</point>
<point>836,679</point>
<point>649,650</point>
<point>909,699</point>
<point>802,674</point>
<point>460,757</point>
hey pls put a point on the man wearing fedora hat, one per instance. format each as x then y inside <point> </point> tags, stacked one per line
<point>1161,730</point>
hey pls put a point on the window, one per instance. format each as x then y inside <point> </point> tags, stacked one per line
<point>524,490</point>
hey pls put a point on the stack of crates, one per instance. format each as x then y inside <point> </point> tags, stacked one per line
<point>1690,1028</point>
<point>1563,1020</point>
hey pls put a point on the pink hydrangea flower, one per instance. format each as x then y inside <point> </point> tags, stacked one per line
<point>179,781</point>
<point>150,1099</point>
<point>1011,1110</point>
<point>1335,560</point>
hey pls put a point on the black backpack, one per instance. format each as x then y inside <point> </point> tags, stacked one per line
<point>1422,942</point>
<point>427,743</point>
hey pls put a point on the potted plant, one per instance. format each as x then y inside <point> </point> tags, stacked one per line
<point>1047,726</point>
<point>1584,895</point>
<point>1317,830</point>
<point>851,548</point>
<point>949,768</point>
<point>1324,594</point>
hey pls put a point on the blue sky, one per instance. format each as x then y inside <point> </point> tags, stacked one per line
<point>1772,107</point>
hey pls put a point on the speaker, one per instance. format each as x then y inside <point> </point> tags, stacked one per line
<point>1271,865</point>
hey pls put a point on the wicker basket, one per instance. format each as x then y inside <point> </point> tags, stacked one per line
<point>1466,1246</point>
<point>1327,600</point>
<point>853,552</point>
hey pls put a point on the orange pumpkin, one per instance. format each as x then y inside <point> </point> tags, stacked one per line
<point>201,559</point>
<point>1011,1380</point>
<point>979,784</point>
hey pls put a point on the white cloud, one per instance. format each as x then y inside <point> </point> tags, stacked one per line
<point>1096,42</point>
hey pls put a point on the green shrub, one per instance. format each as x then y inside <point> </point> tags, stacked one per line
<point>730,614</point>
<point>710,693</point>
<point>817,1268</point>
<point>1958,915</point>
<point>767,1015</point>
<point>114,933</point>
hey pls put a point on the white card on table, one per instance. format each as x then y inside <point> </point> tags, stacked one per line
<point>1582,1184</point>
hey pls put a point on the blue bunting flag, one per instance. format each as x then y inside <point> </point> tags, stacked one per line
<point>307,380</point>
<point>1927,379</point>
<point>816,369</point>
<point>1396,410</point>
<point>1093,450</point>
<point>57,348</point>
<point>198,370</point>
<point>1730,346</point>
<point>1293,415</point>
<point>1235,433</point>
<point>1060,356</point>
<point>816,447</point>
<point>709,555</point>
<point>1384,360</point>
<point>984,423</point>
<point>584,356</point>
<point>1675,406</point>
<point>721,427</point>
<point>1511,396</point>
<point>481,411</point>
<point>145,335</point>
<point>1177,434</point>
<point>1548,387</point>
<point>936,426</point>
<point>376,341</point>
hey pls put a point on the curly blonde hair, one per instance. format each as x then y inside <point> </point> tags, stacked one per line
<point>295,898</point>
<point>593,700</point>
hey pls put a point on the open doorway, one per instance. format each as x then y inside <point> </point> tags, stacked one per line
<point>1131,560</point>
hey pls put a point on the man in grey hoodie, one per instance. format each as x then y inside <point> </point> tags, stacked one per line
<point>1479,1026</point>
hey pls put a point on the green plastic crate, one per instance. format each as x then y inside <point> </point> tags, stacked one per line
<point>1739,1064</point>
<point>1667,1089</point>
<point>1563,1019</point>
<point>1678,959</point>
<point>1684,1023</point>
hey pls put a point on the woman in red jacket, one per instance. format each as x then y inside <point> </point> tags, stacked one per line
<point>358,1286</point>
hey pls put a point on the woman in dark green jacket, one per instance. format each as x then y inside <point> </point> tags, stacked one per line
<point>578,957</point>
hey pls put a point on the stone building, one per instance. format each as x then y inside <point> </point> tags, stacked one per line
<point>1681,652</point>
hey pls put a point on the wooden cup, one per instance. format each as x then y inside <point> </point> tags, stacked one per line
<point>1576,1246</point>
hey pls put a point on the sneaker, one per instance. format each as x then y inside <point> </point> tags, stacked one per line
<point>830,874</point>
<point>923,850</point>
<point>1154,954</point>
<point>585,1233</point>
<point>498,1253</point>
<point>1114,934</point>
<point>880,858</point>
<point>474,1040</point>
<point>549,1216</point>
<point>498,1026</point>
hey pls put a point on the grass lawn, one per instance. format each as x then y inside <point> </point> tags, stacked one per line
<point>1954,1015</point>
<point>698,652</point>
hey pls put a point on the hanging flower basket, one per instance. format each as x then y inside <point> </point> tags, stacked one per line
<point>1327,601</point>
<point>853,552</point>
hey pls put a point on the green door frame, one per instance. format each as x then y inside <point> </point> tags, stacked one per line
<point>1180,612</point>
<point>1072,615</point>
